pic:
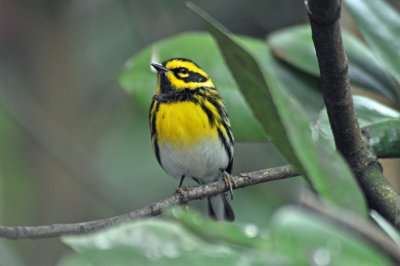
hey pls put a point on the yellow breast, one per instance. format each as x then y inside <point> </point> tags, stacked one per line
<point>183,124</point>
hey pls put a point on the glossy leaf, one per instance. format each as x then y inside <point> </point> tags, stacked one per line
<point>139,81</point>
<point>304,87</point>
<point>384,138</point>
<point>287,125</point>
<point>294,237</point>
<point>159,242</point>
<point>313,241</point>
<point>294,45</point>
<point>245,236</point>
<point>369,112</point>
<point>379,24</point>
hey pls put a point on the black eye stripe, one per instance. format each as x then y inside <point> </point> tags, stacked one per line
<point>195,77</point>
<point>176,74</point>
<point>181,70</point>
<point>190,76</point>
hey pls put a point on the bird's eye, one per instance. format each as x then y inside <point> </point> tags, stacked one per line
<point>183,70</point>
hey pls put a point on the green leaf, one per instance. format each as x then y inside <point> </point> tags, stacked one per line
<point>379,24</point>
<point>295,237</point>
<point>369,112</point>
<point>304,87</point>
<point>384,138</point>
<point>118,256</point>
<point>159,242</point>
<point>286,123</point>
<point>311,240</point>
<point>381,124</point>
<point>246,236</point>
<point>294,45</point>
<point>139,81</point>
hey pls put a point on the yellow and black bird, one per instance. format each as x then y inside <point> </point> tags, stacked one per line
<point>190,129</point>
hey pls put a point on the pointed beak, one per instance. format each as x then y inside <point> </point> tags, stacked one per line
<point>160,68</point>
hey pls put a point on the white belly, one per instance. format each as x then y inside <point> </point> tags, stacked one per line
<point>203,161</point>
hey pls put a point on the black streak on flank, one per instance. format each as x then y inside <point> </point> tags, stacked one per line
<point>209,113</point>
<point>153,119</point>
<point>152,116</point>
<point>157,151</point>
<point>222,113</point>
<point>217,106</point>
<point>227,149</point>
<point>151,108</point>
<point>227,129</point>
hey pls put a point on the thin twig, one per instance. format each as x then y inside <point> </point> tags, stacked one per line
<point>355,225</point>
<point>155,208</point>
<point>326,33</point>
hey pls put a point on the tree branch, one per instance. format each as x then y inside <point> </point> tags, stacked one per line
<point>178,198</point>
<point>324,19</point>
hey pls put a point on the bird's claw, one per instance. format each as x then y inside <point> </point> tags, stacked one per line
<point>183,191</point>
<point>229,182</point>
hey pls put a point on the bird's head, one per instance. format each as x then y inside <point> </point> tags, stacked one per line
<point>180,74</point>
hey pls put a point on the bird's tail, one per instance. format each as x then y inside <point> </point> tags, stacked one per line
<point>220,209</point>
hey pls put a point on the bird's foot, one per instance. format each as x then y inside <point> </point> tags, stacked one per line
<point>183,191</point>
<point>229,182</point>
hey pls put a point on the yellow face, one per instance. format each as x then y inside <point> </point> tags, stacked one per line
<point>180,74</point>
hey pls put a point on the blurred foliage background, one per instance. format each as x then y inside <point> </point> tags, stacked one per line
<point>73,145</point>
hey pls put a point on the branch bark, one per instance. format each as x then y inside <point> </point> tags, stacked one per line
<point>324,19</point>
<point>155,208</point>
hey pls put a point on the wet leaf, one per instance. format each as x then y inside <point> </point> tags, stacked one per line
<point>368,112</point>
<point>379,24</point>
<point>384,138</point>
<point>159,242</point>
<point>313,241</point>
<point>294,45</point>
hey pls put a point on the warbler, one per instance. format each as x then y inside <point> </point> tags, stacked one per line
<point>190,129</point>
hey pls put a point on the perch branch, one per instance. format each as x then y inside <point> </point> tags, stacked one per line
<point>324,19</point>
<point>153,209</point>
